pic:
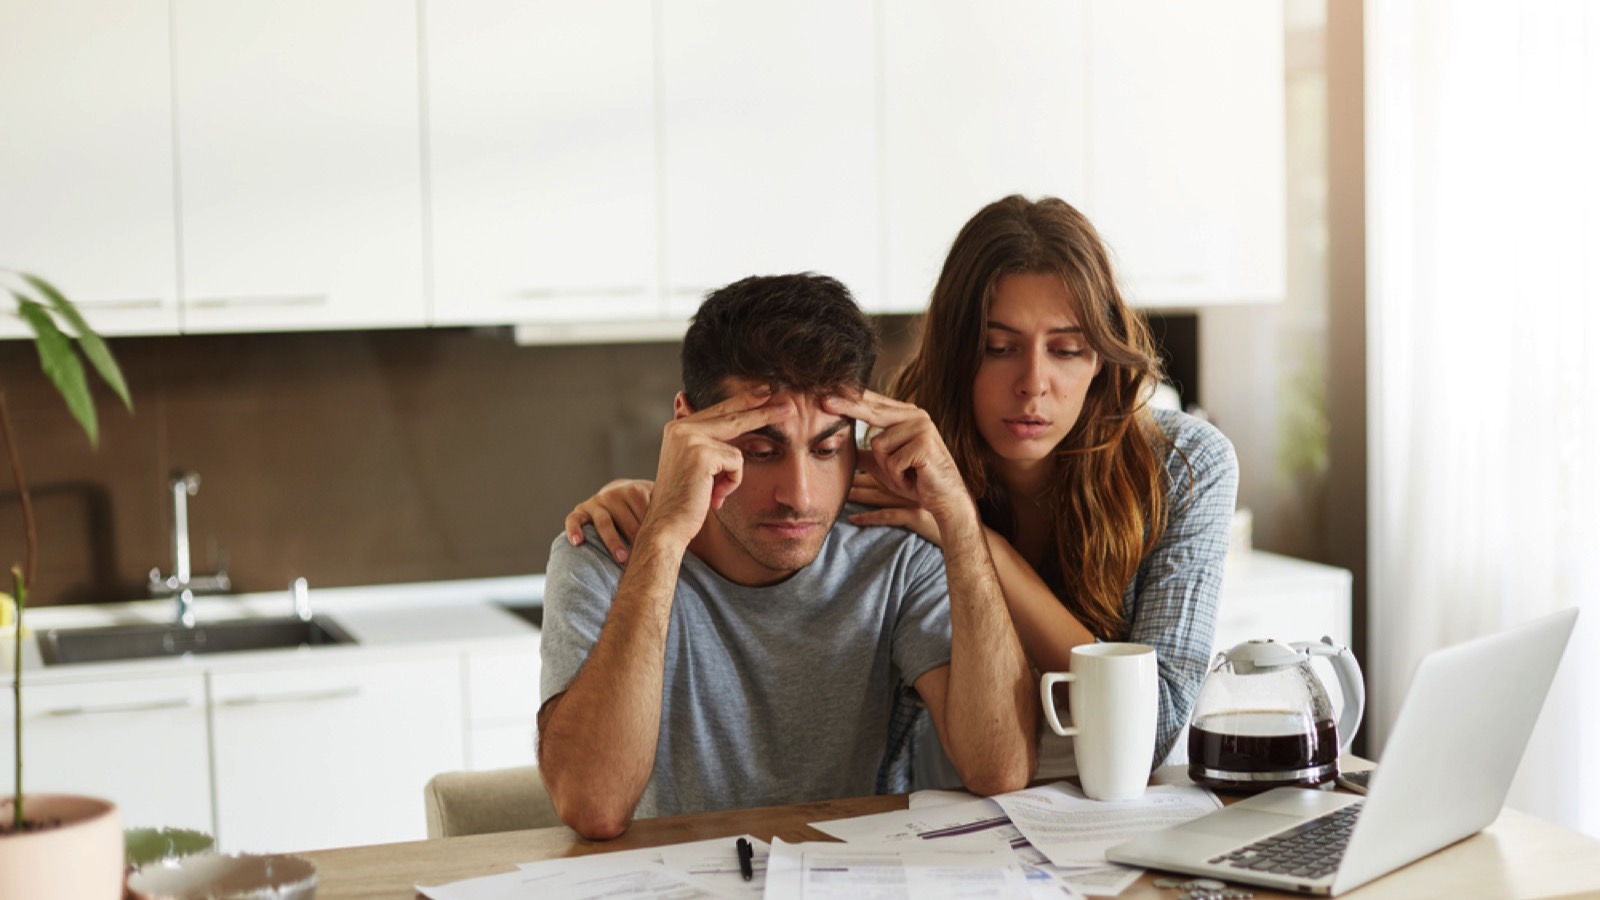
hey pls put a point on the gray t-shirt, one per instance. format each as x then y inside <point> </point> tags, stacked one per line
<point>774,694</point>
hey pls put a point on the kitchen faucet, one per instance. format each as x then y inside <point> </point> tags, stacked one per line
<point>183,583</point>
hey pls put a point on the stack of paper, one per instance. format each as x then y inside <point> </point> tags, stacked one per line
<point>1057,836</point>
<point>1044,842</point>
<point>703,869</point>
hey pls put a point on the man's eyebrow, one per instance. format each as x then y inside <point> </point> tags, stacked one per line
<point>1067,329</point>
<point>832,430</point>
<point>771,433</point>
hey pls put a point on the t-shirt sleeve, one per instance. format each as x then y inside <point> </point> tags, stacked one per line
<point>922,630</point>
<point>1174,597</point>
<point>578,587</point>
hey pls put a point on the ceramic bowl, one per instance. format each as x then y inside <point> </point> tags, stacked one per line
<point>213,876</point>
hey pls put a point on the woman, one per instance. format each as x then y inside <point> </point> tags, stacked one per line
<point>1107,520</point>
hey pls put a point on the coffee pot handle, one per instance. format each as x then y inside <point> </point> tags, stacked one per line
<point>1351,684</point>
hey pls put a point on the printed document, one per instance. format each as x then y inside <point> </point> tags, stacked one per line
<point>702,869</point>
<point>1073,830</point>
<point>895,870</point>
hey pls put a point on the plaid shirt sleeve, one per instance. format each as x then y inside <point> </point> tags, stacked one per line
<point>1172,602</point>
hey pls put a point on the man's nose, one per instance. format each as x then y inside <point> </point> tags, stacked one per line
<point>794,488</point>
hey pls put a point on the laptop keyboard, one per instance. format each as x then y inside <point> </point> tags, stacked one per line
<point>1309,850</point>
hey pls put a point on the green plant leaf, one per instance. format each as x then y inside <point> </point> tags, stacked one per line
<point>94,349</point>
<point>61,364</point>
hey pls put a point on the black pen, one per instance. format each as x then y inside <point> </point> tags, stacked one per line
<point>746,854</point>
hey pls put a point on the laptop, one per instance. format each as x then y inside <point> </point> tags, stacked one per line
<point>1455,748</point>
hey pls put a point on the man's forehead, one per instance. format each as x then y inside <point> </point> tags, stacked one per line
<point>813,423</point>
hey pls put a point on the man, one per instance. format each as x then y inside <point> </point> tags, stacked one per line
<point>751,650</point>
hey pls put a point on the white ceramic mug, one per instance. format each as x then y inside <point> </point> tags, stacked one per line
<point>1113,697</point>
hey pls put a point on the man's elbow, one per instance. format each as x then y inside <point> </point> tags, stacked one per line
<point>994,780</point>
<point>594,821</point>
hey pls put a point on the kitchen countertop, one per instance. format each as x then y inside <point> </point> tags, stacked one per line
<point>388,619</point>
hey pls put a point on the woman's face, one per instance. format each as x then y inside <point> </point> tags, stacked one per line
<point>1036,370</point>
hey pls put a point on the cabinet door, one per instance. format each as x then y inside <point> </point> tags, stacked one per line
<point>138,742</point>
<point>770,144</point>
<point>981,101</point>
<point>502,706</point>
<point>86,180</point>
<point>299,159</point>
<point>332,755</point>
<point>1186,126</point>
<point>542,160</point>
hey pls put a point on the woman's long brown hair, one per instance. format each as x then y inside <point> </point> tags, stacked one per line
<point>1109,503</point>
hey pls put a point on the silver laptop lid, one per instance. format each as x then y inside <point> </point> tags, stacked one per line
<point>1457,741</point>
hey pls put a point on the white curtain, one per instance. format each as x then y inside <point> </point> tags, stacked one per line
<point>1483,243</point>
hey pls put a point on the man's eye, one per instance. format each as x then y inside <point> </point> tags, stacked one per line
<point>825,452</point>
<point>755,454</point>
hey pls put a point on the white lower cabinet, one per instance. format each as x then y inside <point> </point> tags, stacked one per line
<point>502,706</point>
<point>332,754</point>
<point>138,742</point>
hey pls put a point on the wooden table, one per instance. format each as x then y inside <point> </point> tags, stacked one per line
<point>1518,856</point>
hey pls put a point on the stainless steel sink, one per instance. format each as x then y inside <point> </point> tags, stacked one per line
<point>81,645</point>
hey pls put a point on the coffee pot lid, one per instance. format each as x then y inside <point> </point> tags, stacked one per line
<point>1262,654</point>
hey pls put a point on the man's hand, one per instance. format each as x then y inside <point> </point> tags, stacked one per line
<point>908,457</point>
<point>699,468</point>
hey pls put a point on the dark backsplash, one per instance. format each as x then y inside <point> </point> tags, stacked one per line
<point>344,457</point>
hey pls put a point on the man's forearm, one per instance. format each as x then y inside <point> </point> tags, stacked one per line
<point>991,710</point>
<point>598,739</point>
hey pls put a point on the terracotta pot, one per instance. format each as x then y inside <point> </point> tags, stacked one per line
<point>81,858</point>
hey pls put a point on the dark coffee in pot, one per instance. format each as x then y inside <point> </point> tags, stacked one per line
<point>1256,750</point>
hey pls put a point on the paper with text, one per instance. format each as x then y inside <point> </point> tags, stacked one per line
<point>701,869</point>
<point>895,870</point>
<point>1073,830</point>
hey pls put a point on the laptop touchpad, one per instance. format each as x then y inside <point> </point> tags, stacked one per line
<point>1245,824</point>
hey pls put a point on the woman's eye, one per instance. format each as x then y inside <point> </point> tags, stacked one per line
<point>1067,352</point>
<point>996,350</point>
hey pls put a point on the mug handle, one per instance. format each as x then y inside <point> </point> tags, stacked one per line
<point>1047,681</point>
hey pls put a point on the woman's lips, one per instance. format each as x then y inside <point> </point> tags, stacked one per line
<point>1027,428</point>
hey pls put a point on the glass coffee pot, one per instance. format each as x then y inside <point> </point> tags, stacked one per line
<point>1264,720</point>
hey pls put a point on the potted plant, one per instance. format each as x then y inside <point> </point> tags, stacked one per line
<point>55,845</point>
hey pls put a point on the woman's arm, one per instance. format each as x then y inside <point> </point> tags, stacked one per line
<point>1047,630</point>
<point>1172,603</point>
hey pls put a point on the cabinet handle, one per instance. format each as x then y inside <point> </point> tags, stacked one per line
<point>145,706</point>
<point>590,293</point>
<point>294,697</point>
<point>132,303</point>
<point>265,300</point>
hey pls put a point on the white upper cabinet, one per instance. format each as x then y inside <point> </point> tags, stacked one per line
<point>770,143</point>
<point>222,165</point>
<point>981,101</point>
<point>86,197</point>
<point>299,161</point>
<point>1186,147</point>
<point>542,152</point>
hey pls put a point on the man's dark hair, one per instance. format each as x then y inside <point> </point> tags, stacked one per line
<point>792,332</point>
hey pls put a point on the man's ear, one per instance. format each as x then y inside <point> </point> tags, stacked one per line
<point>680,406</point>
